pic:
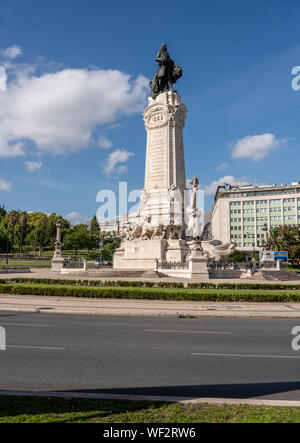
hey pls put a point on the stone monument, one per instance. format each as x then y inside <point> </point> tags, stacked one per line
<point>165,235</point>
<point>267,258</point>
<point>58,259</point>
<point>159,229</point>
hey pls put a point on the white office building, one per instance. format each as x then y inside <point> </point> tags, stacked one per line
<point>240,212</point>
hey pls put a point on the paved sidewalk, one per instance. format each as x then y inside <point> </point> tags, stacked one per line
<point>152,398</point>
<point>146,308</point>
<point>108,275</point>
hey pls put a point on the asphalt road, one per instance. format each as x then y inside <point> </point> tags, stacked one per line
<point>211,358</point>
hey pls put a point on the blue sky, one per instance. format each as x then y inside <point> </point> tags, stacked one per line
<point>77,72</point>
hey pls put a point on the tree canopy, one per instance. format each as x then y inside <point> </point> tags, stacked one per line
<point>286,238</point>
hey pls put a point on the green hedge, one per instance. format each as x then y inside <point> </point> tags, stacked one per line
<point>145,284</point>
<point>250,286</point>
<point>129,284</point>
<point>213,295</point>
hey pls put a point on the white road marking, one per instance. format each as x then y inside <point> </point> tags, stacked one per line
<point>186,332</point>
<point>29,325</point>
<point>206,354</point>
<point>47,348</point>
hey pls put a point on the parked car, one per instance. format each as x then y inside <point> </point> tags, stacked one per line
<point>99,263</point>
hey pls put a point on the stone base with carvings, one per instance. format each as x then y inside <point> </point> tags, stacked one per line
<point>143,254</point>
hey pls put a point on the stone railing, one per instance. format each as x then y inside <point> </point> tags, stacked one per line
<point>14,269</point>
<point>165,265</point>
<point>226,265</point>
<point>270,265</point>
<point>74,266</point>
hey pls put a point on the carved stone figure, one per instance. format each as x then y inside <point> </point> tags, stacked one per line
<point>147,231</point>
<point>159,233</point>
<point>144,197</point>
<point>173,193</point>
<point>175,231</point>
<point>58,243</point>
<point>133,232</point>
<point>266,244</point>
<point>207,232</point>
<point>168,73</point>
<point>194,183</point>
<point>128,233</point>
<point>217,249</point>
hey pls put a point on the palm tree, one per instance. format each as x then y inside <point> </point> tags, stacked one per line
<point>286,238</point>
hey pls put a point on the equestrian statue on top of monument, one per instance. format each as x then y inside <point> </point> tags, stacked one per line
<point>168,73</point>
<point>167,227</point>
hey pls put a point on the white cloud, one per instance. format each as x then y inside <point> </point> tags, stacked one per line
<point>222,167</point>
<point>104,143</point>
<point>2,79</point>
<point>60,112</point>
<point>12,52</point>
<point>5,185</point>
<point>229,179</point>
<point>118,156</point>
<point>122,170</point>
<point>257,147</point>
<point>76,219</point>
<point>33,166</point>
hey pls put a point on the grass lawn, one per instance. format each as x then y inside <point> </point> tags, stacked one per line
<point>50,410</point>
<point>297,270</point>
<point>32,263</point>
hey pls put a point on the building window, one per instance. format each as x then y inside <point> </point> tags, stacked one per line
<point>262,202</point>
<point>275,202</point>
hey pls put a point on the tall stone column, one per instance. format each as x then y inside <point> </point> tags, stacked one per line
<point>164,121</point>
<point>158,232</point>
<point>58,259</point>
<point>165,163</point>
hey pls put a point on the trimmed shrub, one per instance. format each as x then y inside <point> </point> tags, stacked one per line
<point>213,295</point>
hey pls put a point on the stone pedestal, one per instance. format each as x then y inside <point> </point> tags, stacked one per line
<point>57,264</point>
<point>198,266</point>
<point>143,254</point>
<point>267,257</point>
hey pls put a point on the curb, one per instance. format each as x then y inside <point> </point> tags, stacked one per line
<point>180,400</point>
<point>115,312</point>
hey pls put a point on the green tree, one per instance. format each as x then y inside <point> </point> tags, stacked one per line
<point>286,238</point>
<point>21,229</point>
<point>95,227</point>
<point>2,211</point>
<point>77,238</point>
<point>12,218</point>
<point>237,257</point>
<point>110,243</point>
